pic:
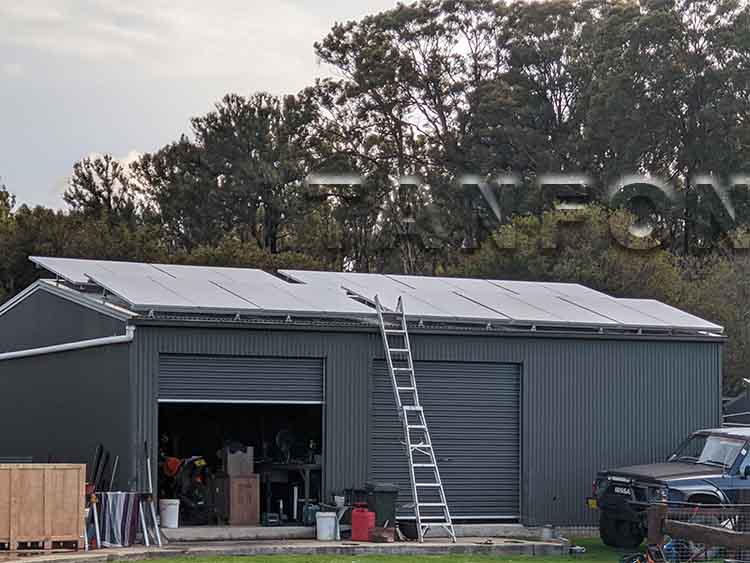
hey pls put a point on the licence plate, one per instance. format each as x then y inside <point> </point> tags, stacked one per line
<point>626,491</point>
<point>592,503</point>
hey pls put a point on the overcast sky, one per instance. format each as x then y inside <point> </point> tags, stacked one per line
<point>94,76</point>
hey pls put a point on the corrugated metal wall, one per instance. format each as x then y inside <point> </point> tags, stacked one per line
<point>59,407</point>
<point>43,319</point>
<point>587,403</point>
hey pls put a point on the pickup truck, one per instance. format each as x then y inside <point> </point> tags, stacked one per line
<point>710,467</point>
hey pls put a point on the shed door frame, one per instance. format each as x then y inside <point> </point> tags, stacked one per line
<point>322,402</point>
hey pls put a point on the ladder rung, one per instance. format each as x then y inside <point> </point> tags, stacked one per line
<point>406,388</point>
<point>426,485</point>
<point>421,446</point>
<point>402,369</point>
<point>392,331</point>
<point>443,523</point>
<point>398,350</point>
<point>423,465</point>
<point>416,427</point>
<point>414,408</point>
<point>432,504</point>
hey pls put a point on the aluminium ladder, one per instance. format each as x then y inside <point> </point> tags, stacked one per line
<point>430,504</point>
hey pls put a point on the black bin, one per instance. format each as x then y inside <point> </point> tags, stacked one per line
<point>381,499</point>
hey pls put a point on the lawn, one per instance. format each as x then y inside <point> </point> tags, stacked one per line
<point>595,553</point>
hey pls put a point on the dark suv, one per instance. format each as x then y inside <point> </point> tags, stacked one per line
<point>710,467</point>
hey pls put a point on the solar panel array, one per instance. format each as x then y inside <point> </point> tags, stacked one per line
<point>510,302</point>
<point>200,289</point>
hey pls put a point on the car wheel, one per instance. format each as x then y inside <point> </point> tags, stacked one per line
<point>619,533</point>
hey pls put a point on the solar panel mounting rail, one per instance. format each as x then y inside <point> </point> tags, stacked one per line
<point>428,495</point>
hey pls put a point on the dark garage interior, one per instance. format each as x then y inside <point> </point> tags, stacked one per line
<point>283,438</point>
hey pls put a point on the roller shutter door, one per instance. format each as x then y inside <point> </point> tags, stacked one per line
<point>473,412</point>
<point>239,379</point>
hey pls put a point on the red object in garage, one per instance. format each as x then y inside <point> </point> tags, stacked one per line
<point>362,522</point>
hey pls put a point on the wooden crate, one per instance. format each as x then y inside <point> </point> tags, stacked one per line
<point>238,500</point>
<point>244,500</point>
<point>41,504</point>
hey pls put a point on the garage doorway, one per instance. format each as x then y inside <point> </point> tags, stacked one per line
<point>211,405</point>
<point>473,411</point>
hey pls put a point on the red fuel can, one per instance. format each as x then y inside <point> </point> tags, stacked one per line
<point>362,522</point>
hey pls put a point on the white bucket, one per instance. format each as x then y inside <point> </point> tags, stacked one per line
<point>326,524</point>
<point>169,512</point>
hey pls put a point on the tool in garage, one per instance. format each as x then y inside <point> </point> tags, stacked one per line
<point>150,496</point>
<point>114,473</point>
<point>430,504</point>
<point>91,498</point>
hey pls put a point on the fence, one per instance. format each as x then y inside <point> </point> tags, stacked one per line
<point>682,533</point>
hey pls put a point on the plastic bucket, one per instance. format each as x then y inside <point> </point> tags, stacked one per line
<point>169,512</point>
<point>326,526</point>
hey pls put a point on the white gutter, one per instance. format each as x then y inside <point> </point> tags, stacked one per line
<point>80,345</point>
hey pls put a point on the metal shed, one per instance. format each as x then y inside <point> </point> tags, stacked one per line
<point>529,388</point>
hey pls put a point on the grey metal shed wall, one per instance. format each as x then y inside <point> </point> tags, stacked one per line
<point>586,402</point>
<point>60,406</point>
<point>590,403</point>
<point>43,319</point>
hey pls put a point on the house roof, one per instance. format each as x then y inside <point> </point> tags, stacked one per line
<point>155,289</point>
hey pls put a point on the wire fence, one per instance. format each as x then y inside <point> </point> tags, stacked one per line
<point>682,533</point>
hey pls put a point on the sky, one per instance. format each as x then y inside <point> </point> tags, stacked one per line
<point>124,77</point>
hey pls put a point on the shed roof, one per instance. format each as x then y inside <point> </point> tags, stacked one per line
<point>166,288</point>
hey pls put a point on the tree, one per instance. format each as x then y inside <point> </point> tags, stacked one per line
<point>181,195</point>
<point>100,187</point>
<point>7,201</point>
<point>670,96</point>
<point>255,148</point>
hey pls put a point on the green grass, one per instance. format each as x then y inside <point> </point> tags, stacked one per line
<point>595,553</point>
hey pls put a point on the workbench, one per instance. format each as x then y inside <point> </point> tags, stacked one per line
<point>267,471</point>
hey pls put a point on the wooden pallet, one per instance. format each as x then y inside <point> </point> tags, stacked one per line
<point>41,545</point>
<point>41,505</point>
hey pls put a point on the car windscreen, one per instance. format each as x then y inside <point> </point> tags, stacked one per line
<point>709,449</point>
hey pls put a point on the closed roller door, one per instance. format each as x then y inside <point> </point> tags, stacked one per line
<point>473,413</point>
<point>238,379</point>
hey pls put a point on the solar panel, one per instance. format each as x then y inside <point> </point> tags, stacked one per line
<point>250,276</point>
<point>134,269</point>
<point>140,291</point>
<point>671,315</point>
<point>70,269</point>
<point>75,270</point>
<point>305,300</point>
<point>330,300</point>
<point>544,298</point>
<point>441,290</point>
<point>605,305</point>
<point>484,294</point>
<point>506,302</point>
<point>435,302</point>
<point>314,278</point>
